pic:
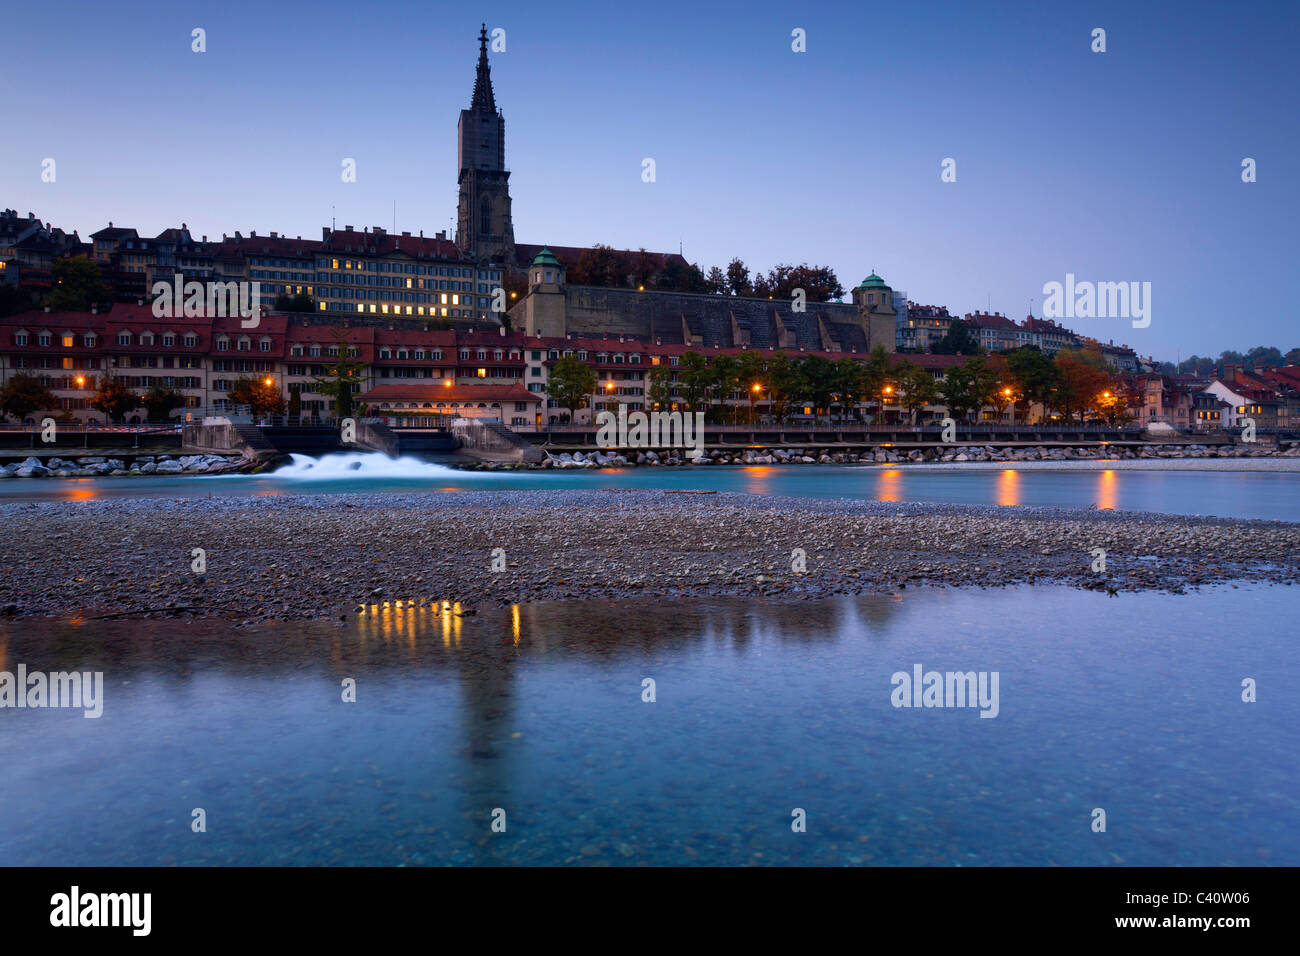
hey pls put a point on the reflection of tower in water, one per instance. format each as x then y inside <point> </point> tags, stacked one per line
<point>483,652</point>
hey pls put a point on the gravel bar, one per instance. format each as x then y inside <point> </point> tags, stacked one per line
<point>296,557</point>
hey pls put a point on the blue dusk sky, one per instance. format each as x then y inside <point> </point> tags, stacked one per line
<point>1115,166</point>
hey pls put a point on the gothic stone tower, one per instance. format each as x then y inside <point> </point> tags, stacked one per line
<point>483,225</point>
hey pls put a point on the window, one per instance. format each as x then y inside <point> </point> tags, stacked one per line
<point>191,341</point>
<point>20,338</point>
<point>123,338</point>
<point>168,339</point>
<point>264,345</point>
<point>223,345</point>
<point>68,340</point>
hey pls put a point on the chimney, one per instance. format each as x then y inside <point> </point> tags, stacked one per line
<point>94,310</point>
<point>139,301</point>
<point>273,236</point>
<point>252,233</point>
<point>348,228</point>
<point>502,330</point>
<point>324,233</point>
<point>47,308</point>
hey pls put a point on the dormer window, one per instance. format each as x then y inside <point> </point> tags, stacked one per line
<point>168,339</point>
<point>264,344</point>
<point>191,341</point>
<point>123,338</point>
<point>245,344</point>
<point>20,338</point>
<point>223,344</point>
<point>146,338</point>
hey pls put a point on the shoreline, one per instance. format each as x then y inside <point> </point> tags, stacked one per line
<point>301,557</point>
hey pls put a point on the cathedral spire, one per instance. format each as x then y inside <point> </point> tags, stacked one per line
<point>484,101</point>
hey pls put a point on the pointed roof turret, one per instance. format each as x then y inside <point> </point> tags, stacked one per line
<point>483,101</point>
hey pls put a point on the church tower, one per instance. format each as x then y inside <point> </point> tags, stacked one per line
<point>483,225</point>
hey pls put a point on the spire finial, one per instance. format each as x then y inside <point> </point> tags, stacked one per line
<point>483,99</point>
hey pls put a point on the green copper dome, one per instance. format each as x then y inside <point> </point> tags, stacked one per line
<point>545,258</point>
<point>873,281</point>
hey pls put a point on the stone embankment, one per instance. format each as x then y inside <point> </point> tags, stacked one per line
<point>808,455</point>
<point>103,466</point>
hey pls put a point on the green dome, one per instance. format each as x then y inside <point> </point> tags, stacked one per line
<point>873,281</point>
<point>545,258</point>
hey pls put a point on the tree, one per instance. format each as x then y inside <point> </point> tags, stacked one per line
<point>751,369</point>
<point>968,388</point>
<point>850,384</point>
<point>1081,382</point>
<point>160,401</point>
<point>571,383</point>
<point>659,393</point>
<point>782,381</point>
<point>725,380</point>
<point>876,373</point>
<point>715,283</point>
<point>918,386</point>
<point>24,394</point>
<point>1262,356</point>
<point>343,374</point>
<point>818,379</point>
<point>958,340</point>
<point>78,285</point>
<point>113,398</point>
<point>738,282</point>
<point>818,282</point>
<point>260,395</point>
<point>696,380</point>
<point>1033,375</point>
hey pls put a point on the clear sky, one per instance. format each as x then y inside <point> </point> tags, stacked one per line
<point>1115,166</point>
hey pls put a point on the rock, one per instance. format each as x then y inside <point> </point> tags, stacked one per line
<point>168,468</point>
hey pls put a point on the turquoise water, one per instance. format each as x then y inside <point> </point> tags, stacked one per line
<point>1234,494</point>
<point>1129,704</point>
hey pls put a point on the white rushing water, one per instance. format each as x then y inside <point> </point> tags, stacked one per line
<point>354,465</point>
